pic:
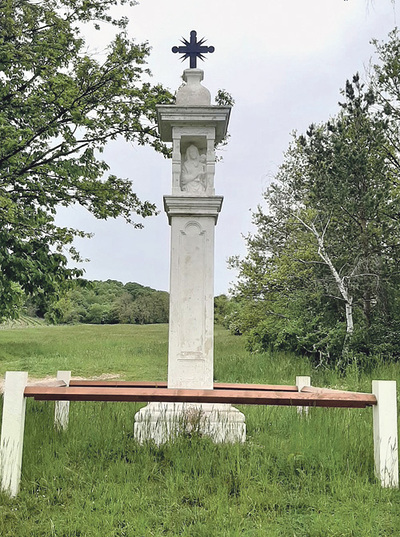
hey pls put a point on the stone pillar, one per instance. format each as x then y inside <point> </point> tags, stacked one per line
<point>386,448</point>
<point>191,327</point>
<point>193,126</point>
<point>12,431</point>
<point>302,382</point>
<point>61,409</point>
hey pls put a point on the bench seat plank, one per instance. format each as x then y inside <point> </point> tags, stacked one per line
<point>163,384</point>
<point>165,395</point>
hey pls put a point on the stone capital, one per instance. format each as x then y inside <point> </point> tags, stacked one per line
<point>169,116</point>
<point>193,206</point>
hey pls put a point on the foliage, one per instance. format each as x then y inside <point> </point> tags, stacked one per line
<point>112,302</point>
<point>109,302</point>
<point>321,274</point>
<point>224,98</point>
<point>222,306</point>
<point>59,107</point>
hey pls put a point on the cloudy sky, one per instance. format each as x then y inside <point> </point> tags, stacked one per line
<point>283,61</point>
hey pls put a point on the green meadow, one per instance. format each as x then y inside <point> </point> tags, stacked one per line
<point>295,476</point>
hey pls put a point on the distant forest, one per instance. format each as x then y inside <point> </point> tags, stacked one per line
<point>109,302</point>
<point>112,302</point>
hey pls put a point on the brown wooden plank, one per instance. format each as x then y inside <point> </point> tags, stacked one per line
<point>118,383</point>
<point>245,397</point>
<point>262,387</point>
<point>314,389</point>
<point>162,384</point>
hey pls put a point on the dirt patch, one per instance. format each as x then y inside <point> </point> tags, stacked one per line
<point>35,381</point>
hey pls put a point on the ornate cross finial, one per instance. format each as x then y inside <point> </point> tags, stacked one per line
<point>193,49</point>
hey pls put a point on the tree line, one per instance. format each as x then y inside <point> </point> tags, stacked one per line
<point>322,271</point>
<point>111,302</point>
<point>104,302</point>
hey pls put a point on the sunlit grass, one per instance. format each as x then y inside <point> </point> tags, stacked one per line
<point>136,352</point>
<point>294,476</point>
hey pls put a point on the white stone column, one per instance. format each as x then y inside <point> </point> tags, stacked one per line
<point>193,126</point>
<point>12,431</point>
<point>386,447</point>
<point>61,410</point>
<point>191,326</point>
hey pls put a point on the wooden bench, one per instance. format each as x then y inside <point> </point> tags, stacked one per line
<point>16,390</point>
<point>254,395</point>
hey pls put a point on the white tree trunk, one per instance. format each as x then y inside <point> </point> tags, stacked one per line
<point>349,319</point>
<point>340,282</point>
<point>348,299</point>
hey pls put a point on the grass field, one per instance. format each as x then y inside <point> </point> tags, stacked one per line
<point>294,477</point>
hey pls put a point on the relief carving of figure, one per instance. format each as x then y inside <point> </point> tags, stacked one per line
<point>194,174</point>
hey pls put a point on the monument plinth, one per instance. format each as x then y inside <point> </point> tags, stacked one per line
<point>193,126</point>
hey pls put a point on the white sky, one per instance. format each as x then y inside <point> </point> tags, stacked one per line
<point>283,61</point>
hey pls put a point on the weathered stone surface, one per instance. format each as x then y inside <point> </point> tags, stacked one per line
<point>191,329</point>
<point>192,93</point>
<point>193,126</point>
<point>160,422</point>
<point>386,444</point>
<point>12,431</point>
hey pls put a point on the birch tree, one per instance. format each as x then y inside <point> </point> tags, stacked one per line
<point>326,237</point>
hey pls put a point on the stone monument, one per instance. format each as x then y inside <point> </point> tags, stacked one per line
<point>193,126</point>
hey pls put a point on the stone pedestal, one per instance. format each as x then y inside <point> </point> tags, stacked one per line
<point>193,126</point>
<point>161,422</point>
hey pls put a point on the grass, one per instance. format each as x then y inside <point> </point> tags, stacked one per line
<point>23,321</point>
<point>136,352</point>
<point>294,477</point>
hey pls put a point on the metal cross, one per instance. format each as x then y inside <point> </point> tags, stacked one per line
<point>193,49</point>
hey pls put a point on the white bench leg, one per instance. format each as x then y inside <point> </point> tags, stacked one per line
<point>61,413</point>
<point>301,382</point>
<point>12,431</point>
<point>385,433</point>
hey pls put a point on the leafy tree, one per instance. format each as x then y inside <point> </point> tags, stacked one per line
<point>135,289</point>
<point>151,308</point>
<point>58,109</point>
<point>123,309</point>
<point>321,269</point>
<point>221,309</point>
<point>109,302</point>
<point>62,311</point>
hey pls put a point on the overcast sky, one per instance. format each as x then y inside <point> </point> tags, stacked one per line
<point>283,61</point>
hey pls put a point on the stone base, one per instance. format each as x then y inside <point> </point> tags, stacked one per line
<point>161,422</point>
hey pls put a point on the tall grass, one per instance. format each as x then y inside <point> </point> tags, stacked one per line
<point>294,476</point>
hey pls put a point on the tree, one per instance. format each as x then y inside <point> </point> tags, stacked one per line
<point>151,308</point>
<point>109,302</point>
<point>58,109</point>
<point>320,271</point>
<point>221,309</point>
